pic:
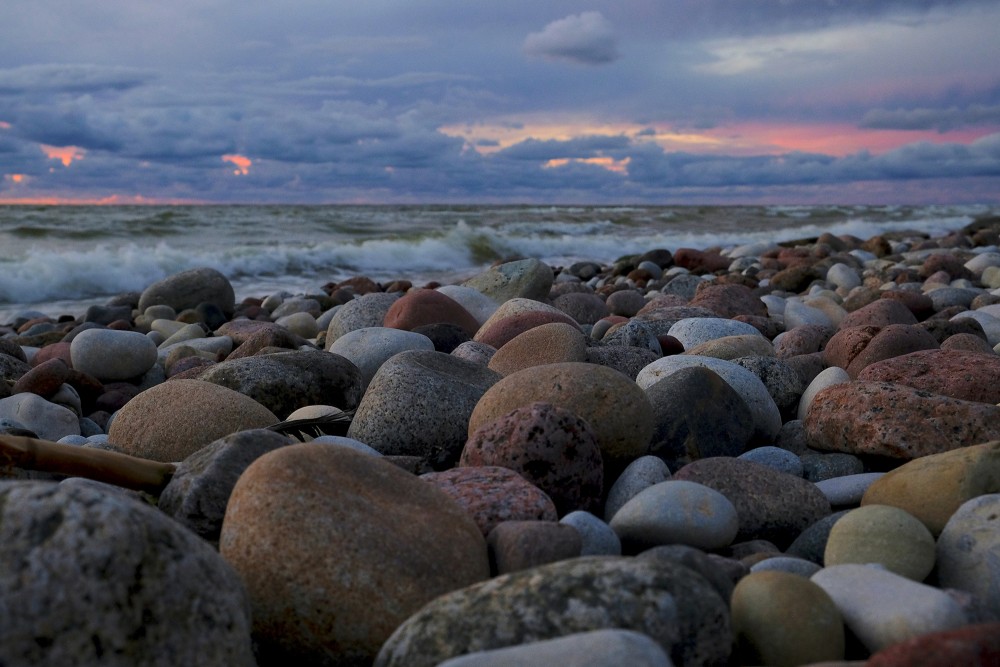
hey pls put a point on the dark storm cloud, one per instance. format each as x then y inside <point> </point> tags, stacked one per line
<point>580,147</point>
<point>941,120</point>
<point>70,79</point>
<point>587,39</point>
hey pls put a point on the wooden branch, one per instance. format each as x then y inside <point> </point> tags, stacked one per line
<point>122,470</point>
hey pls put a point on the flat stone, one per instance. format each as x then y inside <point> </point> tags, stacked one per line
<point>380,544</point>
<point>968,551</point>
<point>885,535</point>
<point>597,648</point>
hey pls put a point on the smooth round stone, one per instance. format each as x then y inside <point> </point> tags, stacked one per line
<point>969,550</point>
<point>46,419</point>
<point>189,288</point>
<point>110,355</point>
<point>826,378</point>
<point>597,648</point>
<point>214,346</point>
<point>634,333</point>
<point>90,575</point>
<point>783,619</point>
<point>350,443</point>
<point>847,490</point>
<point>521,545</point>
<point>477,353</point>
<point>755,249</point>
<point>598,538</point>
<point>301,324</point>
<point>370,347</point>
<point>694,331</point>
<point>475,302</point>
<point>775,305</point>
<point>843,276</point>
<point>989,322</point>
<point>828,303</point>
<point>160,312</point>
<point>420,307</point>
<point>676,512</point>
<point>882,608</point>
<point>551,343</point>
<point>885,535</point>
<point>367,310</point>
<point>583,307</point>
<point>782,380</point>
<point>775,457</point>
<point>980,262</point>
<point>72,440</point>
<point>791,564</point>
<point>948,297</point>
<point>733,347</point>
<point>44,379</point>
<point>525,278</point>
<point>627,302</point>
<point>766,417</point>
<point>294,305</point>
<point>798,314</point>
<point>185,333</point>
<point>642,473</point>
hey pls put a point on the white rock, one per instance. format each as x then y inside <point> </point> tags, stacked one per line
<point>799,314</point>
<point>843,276</point>
<point>989,322</point>
<point>968,550</point>
<point>693,331</point>
<point>478,304</point>
<point>981,262</point>
<point>597,536</point>
<point>826,378</point>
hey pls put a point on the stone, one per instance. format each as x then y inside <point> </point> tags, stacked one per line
<point>46,419</point>
<point>972,646</point>
<point>785,620</point>
<point>519,545</point>
<point>109,355</point>
<point>696,415</point>
<point>782,381</point>
<point>492,495</point>
<point>368,310</point>
<point>93,576</point>
<point>826,378</point>
<point>381,543</point>
<point>626,303</point>
<point>734,347</point>
<point>947,262</point>
<point>545,344</point>
<point>967,343</point>
<point>477,353</point>
<point>676,512</point>
<point>847,490</point>
<point>892,341</point>
<point>694,331</point>
<point>597,538</point>
<point>805,339</point>
<point>525,278</point>
<point>171,421</point>
<point>550,447</point>
<point>285,381</point>
<point>634,333</point>
<point>885,535</point>
<point>729,300</point>
<point>596,648</point>
<point>300,324</point>
<point>664,600</point>
<point>199,490</point>
<point>790,564</point>
<point>45,379</point>
<point>811,542</point>
<point>882,608</point>
<point>892,420</point>
<point>444,336</point>
<point>944,298</point>
<point>919,304</point>
<point>637,476</point>
<point>585,308</point>
<point>189,288</point>
<point>820,466</point>
<point>516,316</point>
<point>842,275</point>
<point>968,551</point>
<point>879,313</point>
<point>932,488</point>
<point>426,306</point>
<point>770,504</point>
<point>766,417</point>
<point>475,302</point>
<point>968,376</point>
<point>700,261</point>
<point>625,359</point>
<point>419,404</point>
<point>369,347</point>
<point>799,314</point>
<point>775,457</point>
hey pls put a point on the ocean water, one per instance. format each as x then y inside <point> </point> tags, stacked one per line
<point>61,259</point>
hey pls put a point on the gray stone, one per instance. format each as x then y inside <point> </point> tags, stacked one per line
<point>712,568</point>
<point>847,490</point>
<point>189,288</point>
<point>811,542</point>
<point>694,331</point>
<point>782,381</point>
<point>524,278</point>
<point>642,473</point>
<point>968,551</point>
<point>47,420</point>
<point>626,360</point>
<point>818,466</point>
<point>597,648</point>
<point>826,378</point>
<point>598,537</point>
<point>775,457</point>
<point>841,275</point>
<point>634,333</point>
<point>367,310</point>
<point>474,351</point>
<point>94,577</point>
<point>478,304</point>
<point>368,348</point>
<point>790,564</point>
<point>111,355</point>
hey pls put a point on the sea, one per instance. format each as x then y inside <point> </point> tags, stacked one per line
<point>57,260</point>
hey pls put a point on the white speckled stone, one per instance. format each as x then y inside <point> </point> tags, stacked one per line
<point>826,378</point>
<point>111,355</point>
<point>693,331</point>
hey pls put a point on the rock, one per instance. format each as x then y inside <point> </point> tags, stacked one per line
<point>664,600</point>
<point>597,538</point>
<point>843,276</point>
<point>972,646</point>
<point>300,324</point>
<point>696,415</point>
<point>676,512</point>
<point>847,490</point>
<point>426,306</point>
<point>694,331</point>
<point>444,336</point>
<point>90,576</point>
<point>884,535</point>
<point>171,421</point>
<point>616,409</point>
<point>586,308</point>
<point>46,419</point>
<point>597,648</point>
<point>766,418</point>
<point>826,378</point>
<point>729,300</point>
<point>285,381</point>
<point>369,347</point>
<point>881,608</point>
<point>626,303</point>
<point>968,376</point>
<point>919,304</point>
<point>782,381</point>
<point>634,333</point>
<point>492,495</point>
<point>775,457</point>
<point>189,288</point>
<point>799,314</point>
<point>933,487</point>
<point>967,343</point>
<point>700,261</point>
<point>886,419</point>
<point>550,447</point>
<point>879,313</point>
<point>45,379</point>
<point>790,564</point>
<point>804,339</point>
<point>968,551</point>
<point>811,542</point>
<point>771,505</point>
<point>545,344</point>
<point>368,310</point>
<point>525,278</point>
<point>199,490</point>
<point>639,475</point>
<point>891,341</point>
<point>475,302</point>
<point>734,347</point>
<point>108,354</point>
<point>419,404</point>
<point>947,262</point>
<point>626,360</point>
<point>784,619</point>
<point>796,278</point>
<point>519,545</point>
<point>251,341</point>
<point>380,545</point>
<point>515,317</point>
<point>477,353</point>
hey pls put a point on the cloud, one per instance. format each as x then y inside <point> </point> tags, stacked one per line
<point>941,120</point>
<point>579,147</point>
<point>70,79</point>
<point>587,39</point>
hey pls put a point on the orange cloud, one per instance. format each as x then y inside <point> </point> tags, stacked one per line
<point>16,178</point>
<point>617,166</point>
<point>65,154</point>
<point>242,163</point>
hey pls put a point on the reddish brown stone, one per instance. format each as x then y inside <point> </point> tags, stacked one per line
<point>970,376</point>
<point>424,306</point>
<point>499,333</point>
<point>892,341</point>
<point>967,342</point>
<point>519,545</point>
<point>54,351</point>
<point>953,265</point>
<point>806,339</point>
<point>698,261</point>
<point>44,379</point>
<point>919,304</point>
<point>971,646</point>
<point>187,364</point>
<point>847,344</point>
<point>266,336</point>
<point>878,246</point>
<point>880,313</point>
<point>241,330</point>
<point>795,278</point>
<point>729,300</point>
<point>896,421</point>
<point>492,495</point>
<point>359,285</point>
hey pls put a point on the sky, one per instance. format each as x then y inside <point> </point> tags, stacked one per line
<point>441,101</point>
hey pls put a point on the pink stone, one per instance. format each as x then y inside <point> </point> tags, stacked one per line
<point>44,379</point>
<point>419,307</point>
<point>729,300</point>
<point>879,313</point>
<point>970,376</point>
<point>892,341</point>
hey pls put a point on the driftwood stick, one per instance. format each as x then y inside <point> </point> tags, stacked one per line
<point>122,470</point>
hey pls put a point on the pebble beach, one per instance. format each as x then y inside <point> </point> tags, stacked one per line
<point>762,454</point>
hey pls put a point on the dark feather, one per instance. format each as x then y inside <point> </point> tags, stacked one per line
<point>336,423</point>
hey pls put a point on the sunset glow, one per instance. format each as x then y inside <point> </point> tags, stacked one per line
<point>242,164</point>
<point>16,178</point>
<point>617,166</point>
<point>65,154</point>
